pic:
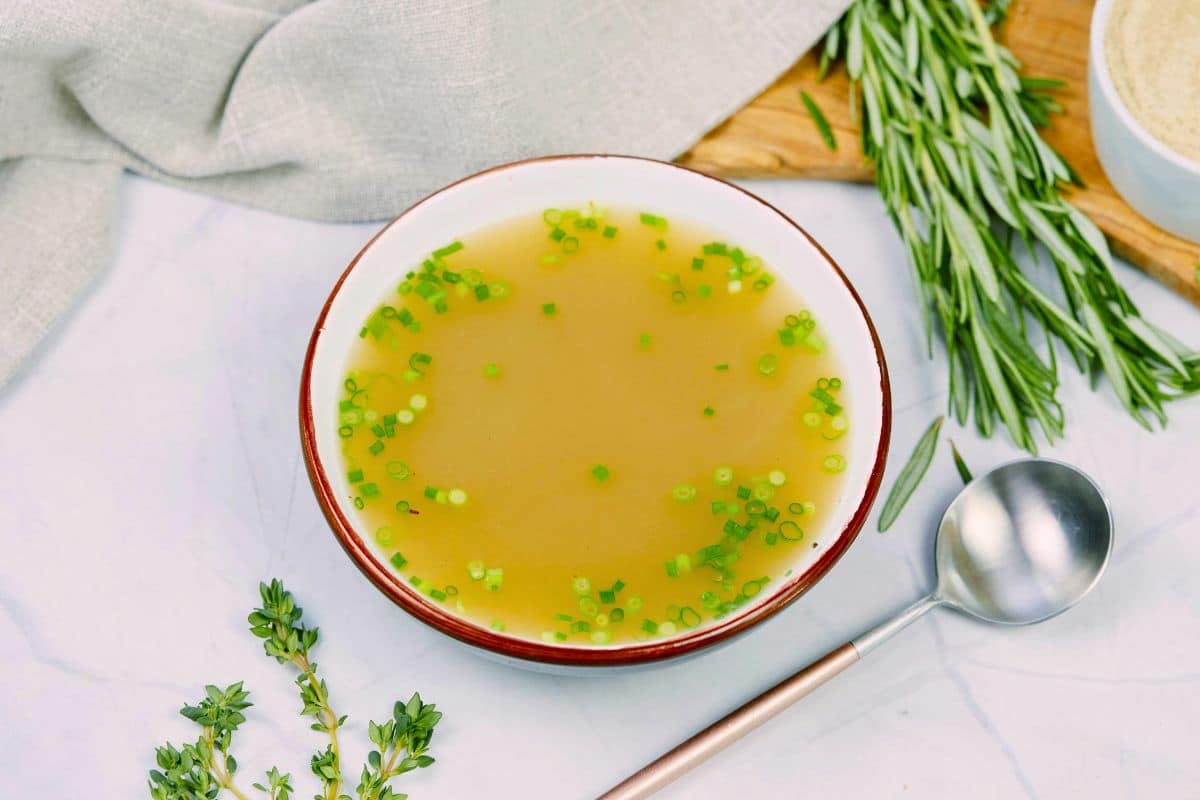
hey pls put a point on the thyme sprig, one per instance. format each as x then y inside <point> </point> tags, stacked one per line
<point>952,129</point>
<point>204,769</point>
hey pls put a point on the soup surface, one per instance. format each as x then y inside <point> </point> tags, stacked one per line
<point>592,426</point>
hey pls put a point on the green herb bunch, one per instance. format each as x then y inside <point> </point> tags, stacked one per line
<point>202,770</point>
<point>952,131</point>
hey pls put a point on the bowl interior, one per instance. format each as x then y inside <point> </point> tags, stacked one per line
<point>667,189</point>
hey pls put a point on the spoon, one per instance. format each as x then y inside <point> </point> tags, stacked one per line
<point>1019,545</point>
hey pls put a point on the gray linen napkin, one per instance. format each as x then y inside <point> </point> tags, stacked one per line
<point>342,110</point>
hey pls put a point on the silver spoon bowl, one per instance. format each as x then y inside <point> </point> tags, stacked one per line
<point>1019,545</point>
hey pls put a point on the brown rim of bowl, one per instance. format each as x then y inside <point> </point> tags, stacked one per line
<point>643,652</point>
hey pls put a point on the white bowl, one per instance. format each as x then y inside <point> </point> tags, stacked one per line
<point>563,182</point>
<point>1158,182</point>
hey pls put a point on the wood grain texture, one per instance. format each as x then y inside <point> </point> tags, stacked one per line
<point>775,137</point>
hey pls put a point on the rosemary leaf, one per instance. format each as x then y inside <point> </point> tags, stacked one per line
<point>959,464</point>
<point>822,124</point>
<point>910,476</point>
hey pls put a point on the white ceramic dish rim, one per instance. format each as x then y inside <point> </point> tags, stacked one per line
<point>563,181</point>
<point>1096,37</point>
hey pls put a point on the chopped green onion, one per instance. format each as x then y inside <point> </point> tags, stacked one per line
<point>667,629</point>
<point>609,232</point>
<point>493,578</point>
<point>355,476</point>
<point>581,585</point>
<point>796,508</point>
<point>767,364</point>
<point>697,264</point>
<point>689,617</point>
<point>418,402</point>
<point>723,476</point>
<point>678,296</point>
<point>449,249</point>
<point>549,309</point>
<point>418,360</point>
<point>790,531</point>
<point>709,411</point>
<point>558,234</point>
<point>403,506</point>
<point>570,244</point>
<point>475,570</point>
<point>376,447</point>
<point>644,341</point>
<point>437,594</point>
<point>684,492</point>
<point>721,368</point>
<point>398,561</point>
<point>608,596</point>
<point>653,221</point>
<point>660,244</point>
<point>491,370</point>
<point>358,503</point>
<point>369,490</point>
<point>704,290</point>
<point>405,416</point>
<point>743,492</point>
<point>552,216</point>
<point>498,625</point>
<point>457,497</point>
<point>811,419</point>
<point>616,615</point>
<point>649,627</point>
<point>600,472</point>
<point>384,536</point>
<point>834,463</point>
<point>683,563</point>
<point>634,603</point>
<point>776,477</point>
<point>672,569</point>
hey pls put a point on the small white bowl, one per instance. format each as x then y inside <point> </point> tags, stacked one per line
<point>1158,182</point>
<point>560,182</point>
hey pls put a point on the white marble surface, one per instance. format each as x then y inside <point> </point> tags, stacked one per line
<point>152,476</point>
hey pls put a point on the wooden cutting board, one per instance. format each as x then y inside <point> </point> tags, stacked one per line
<point>775,137</point>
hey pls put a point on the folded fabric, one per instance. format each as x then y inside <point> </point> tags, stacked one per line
<point>342,110</point>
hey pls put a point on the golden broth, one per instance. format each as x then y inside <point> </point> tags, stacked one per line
<point>556,467</point>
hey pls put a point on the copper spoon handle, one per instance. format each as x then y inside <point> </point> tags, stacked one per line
<point>733,726</point>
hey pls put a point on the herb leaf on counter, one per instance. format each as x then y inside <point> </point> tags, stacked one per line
<point>910,475</point>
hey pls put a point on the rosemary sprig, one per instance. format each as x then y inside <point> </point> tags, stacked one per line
<point>952,130</point>
<point>204,769</point>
